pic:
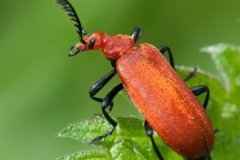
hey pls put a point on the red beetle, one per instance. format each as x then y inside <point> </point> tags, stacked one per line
<point>168,105</point>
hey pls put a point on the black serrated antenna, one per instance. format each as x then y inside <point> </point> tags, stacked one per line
<point>74,17</point>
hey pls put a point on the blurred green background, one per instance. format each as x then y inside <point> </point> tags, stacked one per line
<point>42,90</point>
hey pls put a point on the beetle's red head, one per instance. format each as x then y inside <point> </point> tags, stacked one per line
<point>93,41</point>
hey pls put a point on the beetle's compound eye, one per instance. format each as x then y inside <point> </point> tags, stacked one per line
<point>91,44</point>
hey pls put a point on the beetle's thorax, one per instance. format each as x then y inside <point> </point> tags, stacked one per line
<point>116,46</point>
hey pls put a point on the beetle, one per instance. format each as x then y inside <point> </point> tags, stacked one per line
<point>167,104</point>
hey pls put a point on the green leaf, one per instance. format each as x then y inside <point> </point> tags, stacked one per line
<point>90,155</point>
<point>129,140</point>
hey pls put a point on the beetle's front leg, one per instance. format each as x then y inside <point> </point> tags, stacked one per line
<point>99,85</point>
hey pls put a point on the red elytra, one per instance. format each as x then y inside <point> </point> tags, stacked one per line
<point>166,102</point>
<point>161,96</point>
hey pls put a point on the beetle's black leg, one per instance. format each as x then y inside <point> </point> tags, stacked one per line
<point>163,49</point>
<point>136,33</point>
<point>99,85</point>
<point>202,89</point>
<point>190,75</point>
<point>105,103</point>
<point>149,131</point>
